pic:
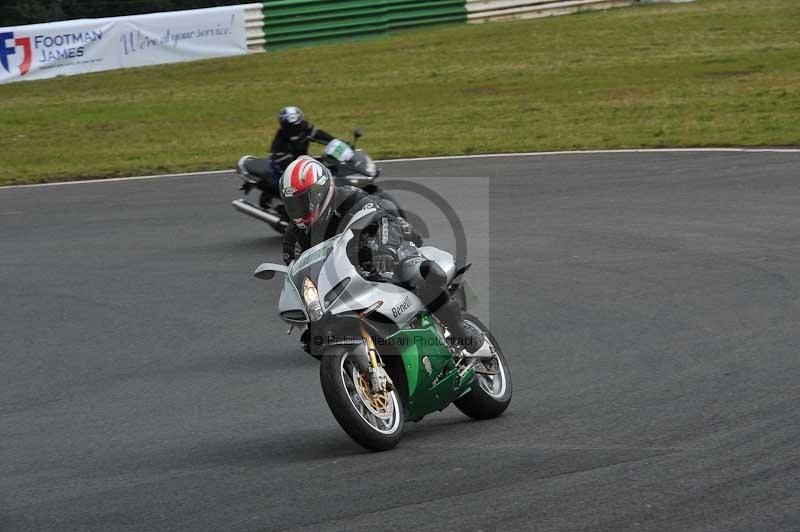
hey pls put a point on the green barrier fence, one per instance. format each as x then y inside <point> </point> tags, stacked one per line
<point>299,22</point>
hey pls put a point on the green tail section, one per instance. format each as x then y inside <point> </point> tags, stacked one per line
<point>304,22</point>
<point>433,381</point>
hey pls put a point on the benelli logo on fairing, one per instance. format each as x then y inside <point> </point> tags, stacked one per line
<point>402,307</point>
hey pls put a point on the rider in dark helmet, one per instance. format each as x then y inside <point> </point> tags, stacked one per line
<point>290,142</point>
<point>320,210</point>
<point>292,138</point>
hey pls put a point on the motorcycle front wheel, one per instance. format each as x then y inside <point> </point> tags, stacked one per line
<point>374,421</point>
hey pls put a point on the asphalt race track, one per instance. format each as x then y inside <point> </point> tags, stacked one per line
<point>648,304</point>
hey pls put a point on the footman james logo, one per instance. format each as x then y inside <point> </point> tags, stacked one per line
<point>17,53</point>
<point>22,44</point>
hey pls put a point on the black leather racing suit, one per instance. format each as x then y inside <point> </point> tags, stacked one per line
<point>385,250</point>
<point>288,145</point>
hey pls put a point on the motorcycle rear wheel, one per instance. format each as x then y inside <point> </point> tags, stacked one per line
<point>374,421</point>
<point>490,394</point>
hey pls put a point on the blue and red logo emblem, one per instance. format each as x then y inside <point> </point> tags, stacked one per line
<point>5,50</point>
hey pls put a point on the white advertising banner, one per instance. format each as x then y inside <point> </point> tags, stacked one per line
<point>90,45</point>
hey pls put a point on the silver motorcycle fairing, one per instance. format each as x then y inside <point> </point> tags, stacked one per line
<point>442,258</point>
<point>399,306</point>
<point>290,300</point>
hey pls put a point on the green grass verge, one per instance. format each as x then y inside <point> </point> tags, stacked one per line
<point>715,72</point>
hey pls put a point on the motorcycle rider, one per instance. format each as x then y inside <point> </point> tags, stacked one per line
<point>320,210</point>
<point>292,138</point>
<point>290,142</point>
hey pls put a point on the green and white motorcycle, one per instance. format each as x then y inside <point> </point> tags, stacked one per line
<point>384,359</point>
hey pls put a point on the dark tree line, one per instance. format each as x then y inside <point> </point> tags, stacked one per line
<point>18,12</point>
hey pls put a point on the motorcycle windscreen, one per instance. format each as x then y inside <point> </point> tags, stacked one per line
<point>339,150</point>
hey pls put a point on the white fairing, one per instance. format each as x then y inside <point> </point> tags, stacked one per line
<point>399,305</point>
<point>442,258</point>
<point>290,298</point>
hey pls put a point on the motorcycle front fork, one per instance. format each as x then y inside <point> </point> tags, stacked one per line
<point>378,378</point>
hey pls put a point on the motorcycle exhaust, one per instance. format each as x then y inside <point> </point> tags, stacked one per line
<point>251,210</point>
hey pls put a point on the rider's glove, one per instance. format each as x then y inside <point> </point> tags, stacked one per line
<point>390,232</point>
<point>384,261</point>
<point>389,238</point>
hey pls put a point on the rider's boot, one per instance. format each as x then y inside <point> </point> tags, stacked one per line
<point>463,334</point>
<point>468,340</point>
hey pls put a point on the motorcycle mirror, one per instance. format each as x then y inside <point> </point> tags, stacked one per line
<point>268,270</point>
<point>357,135</point>
<point>264,274</point>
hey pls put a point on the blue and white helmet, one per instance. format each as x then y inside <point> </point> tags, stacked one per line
<point>290,116</point>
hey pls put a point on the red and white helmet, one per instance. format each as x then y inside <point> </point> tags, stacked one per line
<point>307,190</point>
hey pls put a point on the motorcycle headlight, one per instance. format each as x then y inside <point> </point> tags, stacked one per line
<point>311,299</point>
